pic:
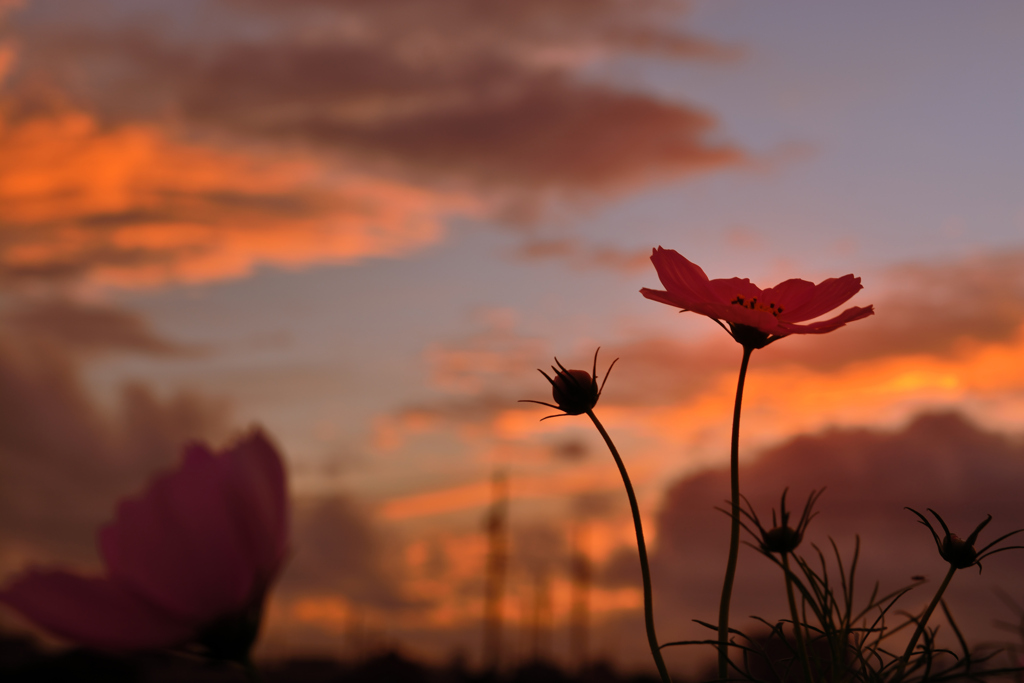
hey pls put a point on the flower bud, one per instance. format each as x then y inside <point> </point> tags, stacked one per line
<point>961,553</point>
<point>575,391</point>
<point>781,539</point>
<point>958,552</point>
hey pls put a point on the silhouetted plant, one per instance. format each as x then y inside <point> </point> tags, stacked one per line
<point>575,392</point>
<point>832,634</point>
<point>754,318</point>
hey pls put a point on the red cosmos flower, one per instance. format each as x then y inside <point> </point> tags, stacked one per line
<point>189,562</point>
<point>756,317</point>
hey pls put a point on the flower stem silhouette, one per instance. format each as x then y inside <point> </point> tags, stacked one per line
<point>645,569</point>
<point>924,620</point>
<point>960,554</point>
<point>782,538</point>
<point>576,392</point>
<point>755,318</point>
<point>798,633</point>
<point>734,534</point>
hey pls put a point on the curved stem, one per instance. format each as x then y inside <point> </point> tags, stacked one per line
<point>645,569</point>
<point>797,631</point>
<point>924,620</point>
<point>734,536</point>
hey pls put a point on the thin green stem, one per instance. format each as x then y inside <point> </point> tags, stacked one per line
<point>734,536</point>
<point>924,621</point>
<point>797,631</point>
<point>645,569</point>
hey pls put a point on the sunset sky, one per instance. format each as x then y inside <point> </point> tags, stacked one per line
<point>363,226</point>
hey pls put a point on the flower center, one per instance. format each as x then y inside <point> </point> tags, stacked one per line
<point>754,305</point>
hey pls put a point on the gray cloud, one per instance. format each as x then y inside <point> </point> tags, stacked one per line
<point>339,550</point>
<point>427,102</point>
<point>64,461</point>
<point>636,26</point>
<point>439,91</point>
<point>90,328</point>
<point>580,256</point>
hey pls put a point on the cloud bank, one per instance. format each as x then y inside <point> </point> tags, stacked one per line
<point>141,150</point>
<point>941,461</point>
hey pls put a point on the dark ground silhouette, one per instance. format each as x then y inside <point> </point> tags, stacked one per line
<point>22,661</point>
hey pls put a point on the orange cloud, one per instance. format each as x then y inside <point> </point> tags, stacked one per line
<point>986,379</point>
<point>494,355</point>
<point>6,56</point>
<point>687,428</point>
<point>552,482</point>
<point>332,612</point>
<point>129,206</point>
<point>436,502</point>
<point>443,91</point>
<point>440,569</point>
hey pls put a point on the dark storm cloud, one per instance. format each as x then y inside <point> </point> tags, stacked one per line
<point>939,461</point>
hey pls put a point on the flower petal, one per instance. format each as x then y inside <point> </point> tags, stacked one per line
<point>791,294</point>
<point>727,289</point>
<point>827,295</point>
<point>683,280</point>
<point>179,545</point>
<point>758,319</point>
<point>822,326</point>
<point>255,478</point>
<point>662,297</point>
<point>96,613</point>
<point>774,311</point>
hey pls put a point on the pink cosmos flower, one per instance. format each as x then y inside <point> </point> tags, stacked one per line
<point>189,562</point>
<point>756,317</point>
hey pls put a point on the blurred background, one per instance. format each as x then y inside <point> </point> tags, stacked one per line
<point>364,225</point>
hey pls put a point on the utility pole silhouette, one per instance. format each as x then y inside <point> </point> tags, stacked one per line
<point>579,616</point>
<point>497,562</point>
